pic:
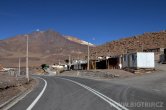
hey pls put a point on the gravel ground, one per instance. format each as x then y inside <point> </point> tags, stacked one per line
<point>110,74</point>
<point>7,81</point>
<point>99,74</point>
<point>10,86</point>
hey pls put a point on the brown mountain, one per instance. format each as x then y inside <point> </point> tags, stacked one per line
<point>44,47</point>
<point>151,40</point>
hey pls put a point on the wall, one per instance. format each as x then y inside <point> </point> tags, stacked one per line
<point>145,60</point>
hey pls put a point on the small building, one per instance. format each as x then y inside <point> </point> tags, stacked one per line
<point>105,62</point>
<point>114,61</point>
<point>99,63</point>
<point>78,65</point>
<point>163,57</point>
<point>138,60</point>
<point>158,52</point>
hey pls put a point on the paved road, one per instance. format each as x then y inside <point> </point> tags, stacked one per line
<point>81,94</point>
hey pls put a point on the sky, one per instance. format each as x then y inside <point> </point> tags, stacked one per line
<point>96,21</point>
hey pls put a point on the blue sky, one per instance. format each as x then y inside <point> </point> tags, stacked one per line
<point>104,20</point>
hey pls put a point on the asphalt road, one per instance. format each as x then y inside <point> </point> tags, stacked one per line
<point>69,93</point>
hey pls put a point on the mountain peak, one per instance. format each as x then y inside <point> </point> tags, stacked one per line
<point>74,39</point>
<point>44,47</point>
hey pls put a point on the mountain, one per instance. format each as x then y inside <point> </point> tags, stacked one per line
<point>74,39</point>
<point>44,47</point>
<point>151,40</point>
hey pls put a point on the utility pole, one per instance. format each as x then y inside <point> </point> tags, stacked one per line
<point>59,62</point>
<point>69,62</point>
<point>108,57</point>
<point>19,67</point>
<point>88,57</point>
<point>106,66</point>
<point>27,68</point>
<point>96,60</point>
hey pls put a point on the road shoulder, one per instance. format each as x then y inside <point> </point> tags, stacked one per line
<point>14,94</point>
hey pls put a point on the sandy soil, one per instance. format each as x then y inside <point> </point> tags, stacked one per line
<point>12,86</point>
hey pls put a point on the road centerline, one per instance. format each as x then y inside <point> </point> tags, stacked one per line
<point>102,96</point>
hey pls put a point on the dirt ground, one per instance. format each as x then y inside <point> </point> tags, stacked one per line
<point>11,86</point>
<point>99,74</point>
<point>110,73</point>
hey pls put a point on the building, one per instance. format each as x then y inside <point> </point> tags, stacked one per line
<point>105,62</point>
<point>138,60</point>
<point>163,57</point>
<point>78,65</point>
<point>157,52</point>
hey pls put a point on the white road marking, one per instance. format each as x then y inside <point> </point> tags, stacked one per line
<point>156,90</point>
<point>102,96</point>
<point>16,101</point>
<point>39,96</point>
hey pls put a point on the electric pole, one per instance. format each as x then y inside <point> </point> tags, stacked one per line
<point>27,68</point>
<point>106,66</point>
<point>69,63</point>
<point>19,67</point>
<point>88,57</point>
<point>96,60</point>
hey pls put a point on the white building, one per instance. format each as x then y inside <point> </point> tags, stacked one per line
<point>138,60</point>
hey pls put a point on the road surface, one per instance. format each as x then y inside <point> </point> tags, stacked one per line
<point>69,93</point>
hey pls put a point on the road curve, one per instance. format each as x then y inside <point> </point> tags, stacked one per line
<point>61,94</point>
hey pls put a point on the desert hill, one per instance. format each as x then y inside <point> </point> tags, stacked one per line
<point>145,41</point>
<point>44,47</point>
